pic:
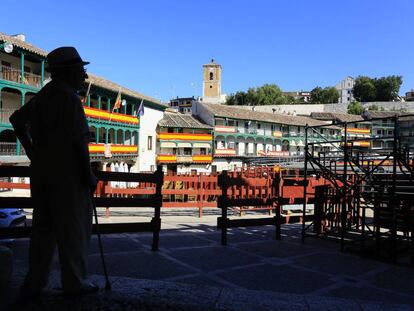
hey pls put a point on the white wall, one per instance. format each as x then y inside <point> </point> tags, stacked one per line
<point>307,109</point>
<point>203,113</point>
<point>223,164</point>
<point>201,168</point>
<point>148,126</point>
<point>287,109</point>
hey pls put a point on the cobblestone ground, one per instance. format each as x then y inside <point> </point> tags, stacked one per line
<point>254,265</point>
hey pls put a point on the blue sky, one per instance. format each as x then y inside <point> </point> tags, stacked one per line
<point>158,47</point>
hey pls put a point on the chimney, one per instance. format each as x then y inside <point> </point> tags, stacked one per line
<point>20,37</point>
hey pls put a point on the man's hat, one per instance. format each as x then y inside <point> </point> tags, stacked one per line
<point>65,56</point>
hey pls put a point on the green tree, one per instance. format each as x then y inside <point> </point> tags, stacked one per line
<point>355,108</point>
<point>316,95</point>
<point>364,89</point>
<point>368,89</point>
<point>239,98</point>
<point>330,95</point>
<point>267,94</point>
<point>324,95</point>
<point>387,88</point>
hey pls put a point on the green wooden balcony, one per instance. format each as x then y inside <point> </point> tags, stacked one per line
<point>15,75</point>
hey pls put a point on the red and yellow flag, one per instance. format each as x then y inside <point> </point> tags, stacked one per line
<point>118,101</point>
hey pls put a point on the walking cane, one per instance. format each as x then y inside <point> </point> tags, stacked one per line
<point>107,283</point>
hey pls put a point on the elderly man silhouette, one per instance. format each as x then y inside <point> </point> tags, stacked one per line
<point>54,133</point>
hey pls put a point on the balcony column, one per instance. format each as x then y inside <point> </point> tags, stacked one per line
<point>115,137</point>
<point>109,105</point>
<point>106,136</point>
<point>125,108</point>
<point>88,100</point>
<point>22,67</point>
<point>123,137</point>
<point>99,102</point>
<point>97,135</point>
<point>18,145</point>
<point>43,72</point>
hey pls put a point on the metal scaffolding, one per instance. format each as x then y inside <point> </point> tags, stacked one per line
<point>368,201</point>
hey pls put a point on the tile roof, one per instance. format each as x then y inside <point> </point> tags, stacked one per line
<point>382,114</point>
<point>403,116</point>
<point>22,44</point>
<point>244,114</point>
<point>112,86</point>
<point>331,116</point>
<point>175,119</point>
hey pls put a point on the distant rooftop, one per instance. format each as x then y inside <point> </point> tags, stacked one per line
<point>331,116</point>
<point>175,119</point>
<point>244,114</point>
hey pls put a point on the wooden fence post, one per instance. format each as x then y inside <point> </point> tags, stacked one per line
<point>222,203</point>
<point>276,203</point>
<point>156,220</point>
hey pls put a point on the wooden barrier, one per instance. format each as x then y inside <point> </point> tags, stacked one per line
<point>153,199</point>
<point>229,198</point>
<point>202,191</point>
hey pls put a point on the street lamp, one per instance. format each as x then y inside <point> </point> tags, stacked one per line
<point>7,47</point>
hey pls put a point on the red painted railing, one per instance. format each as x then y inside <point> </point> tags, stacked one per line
<point>201,190</point>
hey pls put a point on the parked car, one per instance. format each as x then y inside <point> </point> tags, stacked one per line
<point>11,217</point>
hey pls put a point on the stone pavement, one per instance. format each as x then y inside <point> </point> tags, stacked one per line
<point>191,271</point>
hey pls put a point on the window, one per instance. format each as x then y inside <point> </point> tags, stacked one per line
<point>211,86</point>
<point>149,147</point>
<point>170,130</point>
<point>259,126</point>
<point>187,151</point>
<point>203,151</point>
<point>211,76</point>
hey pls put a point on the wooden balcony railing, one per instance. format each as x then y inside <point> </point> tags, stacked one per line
<point>15,75</point>
<point>7,149</point>
<point>195,158</point>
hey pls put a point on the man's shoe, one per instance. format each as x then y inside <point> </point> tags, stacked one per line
<point>86,289</point>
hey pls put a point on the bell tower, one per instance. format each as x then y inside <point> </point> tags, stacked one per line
<point>212,82</point>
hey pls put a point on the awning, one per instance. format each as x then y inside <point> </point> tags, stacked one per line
<point>184,145</point>
<point>168,145</point>
<point>201,145</point>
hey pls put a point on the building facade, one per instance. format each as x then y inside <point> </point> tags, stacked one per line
<point>409,96</point>
<point>241,136</point>
<point>345,89</point>
<point>212,83</point>
<point>184,144</point>
<point>182,104</point>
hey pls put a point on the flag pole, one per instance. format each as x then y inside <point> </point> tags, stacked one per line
<point>116,104</point>
<point>87,92</point>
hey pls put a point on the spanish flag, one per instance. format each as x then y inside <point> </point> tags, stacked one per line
<point>118,100</point>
